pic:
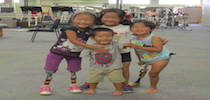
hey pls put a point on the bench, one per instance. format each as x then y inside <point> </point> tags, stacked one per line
<point>1,29</point>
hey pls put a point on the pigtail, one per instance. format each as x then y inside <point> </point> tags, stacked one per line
<point>126,22</point>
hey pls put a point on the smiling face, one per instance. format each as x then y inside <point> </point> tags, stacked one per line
<point>82,21</point>
<point>111,19</point>
<point>140,29</point>
<point>103,37</point>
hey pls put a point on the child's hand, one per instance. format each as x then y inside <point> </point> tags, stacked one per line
<point>164,41</point>
<point>100,49</point>
<point>140,63</point>
<point>130,45</point>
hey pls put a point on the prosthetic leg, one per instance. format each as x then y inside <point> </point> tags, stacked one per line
<point>143,72</point>
<point>45,89</point>
<point>74,88</point>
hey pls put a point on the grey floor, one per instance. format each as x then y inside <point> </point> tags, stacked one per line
<point>186,77</point>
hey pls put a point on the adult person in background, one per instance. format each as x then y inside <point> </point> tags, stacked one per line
<point>153,13</point>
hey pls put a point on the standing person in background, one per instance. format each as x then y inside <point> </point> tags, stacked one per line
<point>154,14</point>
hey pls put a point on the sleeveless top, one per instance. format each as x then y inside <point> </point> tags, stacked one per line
<point>64,47</point>
<point>148,56</point>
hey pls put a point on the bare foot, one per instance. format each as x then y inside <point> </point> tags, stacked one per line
<point>118,92</point>
<point>152,90</point>
<point>90,91</point>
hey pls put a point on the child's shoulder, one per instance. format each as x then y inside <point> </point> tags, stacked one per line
<point>69,28</point>
<point>153,36</point>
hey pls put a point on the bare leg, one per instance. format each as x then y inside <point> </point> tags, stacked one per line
<point>126,72</point>
<point>118,87</point>
<point>157,67</point>
<point>92,89</point>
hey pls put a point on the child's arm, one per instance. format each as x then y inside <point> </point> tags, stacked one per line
<point>157,45</point>
<point>138,55</point>
<point>72,36</point>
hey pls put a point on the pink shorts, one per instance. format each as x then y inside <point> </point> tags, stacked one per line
<point>53,61</point>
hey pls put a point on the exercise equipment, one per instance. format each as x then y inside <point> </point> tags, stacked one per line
<point>184,24</point>
<point>61,9</point>
<point>31,17</point>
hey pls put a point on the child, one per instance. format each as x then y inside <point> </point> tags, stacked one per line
<point>68,46</point>
<point>149,49</point>
<point>113,18</point>
<point>105,64</point>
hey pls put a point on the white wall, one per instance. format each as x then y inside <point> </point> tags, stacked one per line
<point>154,3</point>
<point>206,13</point>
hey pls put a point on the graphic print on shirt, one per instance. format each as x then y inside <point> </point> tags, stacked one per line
<point>65,46</point>
<point>145,54</point>
<point>117,36</point>
<point>104,59</point>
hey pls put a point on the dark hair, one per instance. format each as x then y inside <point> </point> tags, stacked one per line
<point>120,12</point>
<point>85,12</point>
<point>146,23</point>
<point>154,9</point>
<point>99,29</point>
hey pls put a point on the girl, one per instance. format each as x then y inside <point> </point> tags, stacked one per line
<point>68,46</point>
<point>111,18</point>
<point>115,19</point>
<point>149,49</point>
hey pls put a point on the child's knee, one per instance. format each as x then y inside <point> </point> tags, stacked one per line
<point>125,68</point>
<point>153,74</point>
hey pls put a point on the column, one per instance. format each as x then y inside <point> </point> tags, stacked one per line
<point>10,3</point>
<point>38,2</point>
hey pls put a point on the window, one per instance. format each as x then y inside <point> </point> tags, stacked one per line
<point>130,1</point>
<point>180,2</point>
<point>1,1</point>
<point>16,1</point>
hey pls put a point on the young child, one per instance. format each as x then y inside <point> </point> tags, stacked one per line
<point>113,19</point>
<point>68,47</point>
<point>105,64</point>
<point>149,49</point>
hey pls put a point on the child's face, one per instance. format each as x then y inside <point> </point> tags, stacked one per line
<point>103,37</point>
<point>83,20</point>
<point>111,19</point>
<point>140,29</point>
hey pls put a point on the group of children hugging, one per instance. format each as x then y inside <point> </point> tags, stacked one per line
<point>109,55</point>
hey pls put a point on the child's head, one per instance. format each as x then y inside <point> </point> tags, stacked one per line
<point>141,27</point>
<point>112,17</point>
<point>84,19</point>
<point>102,36</point>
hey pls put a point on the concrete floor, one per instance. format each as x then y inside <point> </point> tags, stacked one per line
<point>185,78</point>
